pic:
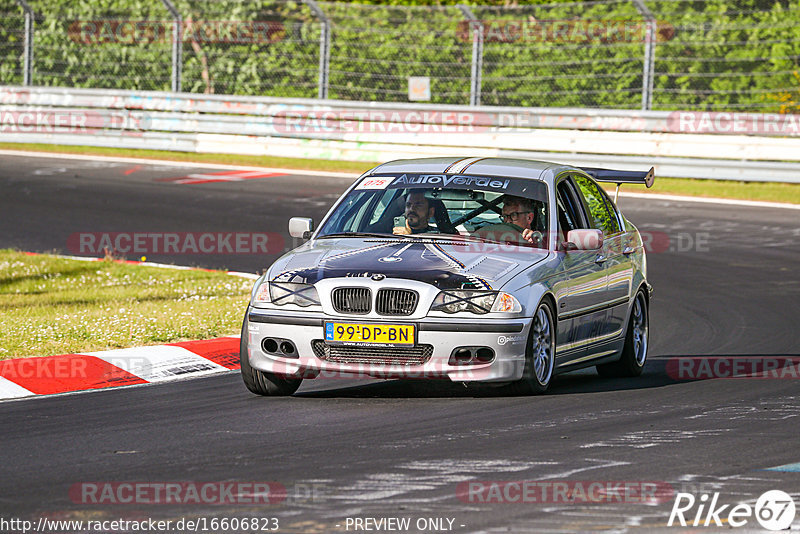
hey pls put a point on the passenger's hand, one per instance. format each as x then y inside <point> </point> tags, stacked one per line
<point>401,230</point>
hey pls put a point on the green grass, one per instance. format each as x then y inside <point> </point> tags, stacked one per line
<point>50,305</point>
<point>764,191</point>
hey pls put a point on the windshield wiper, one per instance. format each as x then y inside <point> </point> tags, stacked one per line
<point>433,236</point>
<point>357,234</point>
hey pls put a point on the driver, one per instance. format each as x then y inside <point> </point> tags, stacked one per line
<point>418,212</point>
<point>519,212</point>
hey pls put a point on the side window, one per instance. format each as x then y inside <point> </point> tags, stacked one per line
<point>602,218</point>
<point>612,209</point>
<point>569,210</point>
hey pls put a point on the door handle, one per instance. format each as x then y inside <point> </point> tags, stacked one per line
<point>600,259</point>
<point>628,250</point>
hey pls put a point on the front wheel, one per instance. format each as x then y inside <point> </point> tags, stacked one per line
<point>261,382</point>
<point>540,354</point>
<point>634,353</point>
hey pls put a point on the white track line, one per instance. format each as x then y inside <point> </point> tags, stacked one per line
<point>646,196</point>
<point>31,395</point>
<point>728,201</point>
<point>190,164</point>
<point>249,276</point>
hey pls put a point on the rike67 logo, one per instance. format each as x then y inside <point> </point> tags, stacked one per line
<point>774,510</point>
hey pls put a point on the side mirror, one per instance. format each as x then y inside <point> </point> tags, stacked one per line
<point>301,227</point>
<point>584,240</point>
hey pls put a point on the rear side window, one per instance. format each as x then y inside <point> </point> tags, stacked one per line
<point>603,216</point>
<point>612,209</point>
<point>569,209</point>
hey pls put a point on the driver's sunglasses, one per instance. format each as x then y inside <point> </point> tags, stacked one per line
<point>514,215</point>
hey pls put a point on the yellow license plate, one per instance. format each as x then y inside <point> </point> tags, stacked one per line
<point>387,335</point>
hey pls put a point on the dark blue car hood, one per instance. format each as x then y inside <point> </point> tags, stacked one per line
<point>443,264</point>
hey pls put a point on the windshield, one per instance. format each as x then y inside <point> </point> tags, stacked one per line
<point>485,208</point>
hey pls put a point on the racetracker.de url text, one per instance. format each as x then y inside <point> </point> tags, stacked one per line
<point>47,525</point>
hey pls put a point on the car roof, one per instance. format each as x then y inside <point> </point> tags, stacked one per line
<point>508,167</point>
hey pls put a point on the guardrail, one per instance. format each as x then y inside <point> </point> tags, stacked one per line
<point>738,146</point>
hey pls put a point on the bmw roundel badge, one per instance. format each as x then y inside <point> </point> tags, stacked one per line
<point>390,259</point>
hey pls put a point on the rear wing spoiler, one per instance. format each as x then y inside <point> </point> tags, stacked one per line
<point>621,177</point>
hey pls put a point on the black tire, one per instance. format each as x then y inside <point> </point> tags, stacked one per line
<point>260,382</point>
<point>540,354</point>
<point>634,352</point>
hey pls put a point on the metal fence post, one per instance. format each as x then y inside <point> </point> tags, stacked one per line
<point>477,55</point>
<point>27,55</point>
<point>324,48</point>
<point>649,53</point>
<point>177,45</point>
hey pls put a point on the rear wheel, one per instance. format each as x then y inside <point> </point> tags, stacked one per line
<point>261,382</point>
<point>539,354</point>
<point>634,353</point>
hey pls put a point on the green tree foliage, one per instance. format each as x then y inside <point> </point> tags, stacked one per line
<point>11,42</point>
<point>709,54</point>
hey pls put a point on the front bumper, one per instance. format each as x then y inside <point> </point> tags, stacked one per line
<point>506,337</point>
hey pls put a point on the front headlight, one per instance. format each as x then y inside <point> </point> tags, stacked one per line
<point>282,293</point>
<point>479,302</point>
<point>464,300</point>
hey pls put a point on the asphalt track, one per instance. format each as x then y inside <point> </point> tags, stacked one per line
<point>726,283</point>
